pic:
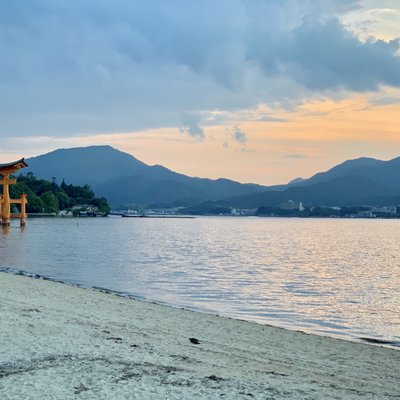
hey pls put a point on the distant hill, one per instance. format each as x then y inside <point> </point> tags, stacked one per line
<point>48,197</point>
<point>141,190</point>
<point>363,181</point>
<point>343,191</point>
<point>296,181</point>
<point>123,179</point>
<point>84,165</point>
<point>383,172</point>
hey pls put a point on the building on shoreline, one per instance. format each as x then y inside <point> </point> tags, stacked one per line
<point>291,205</point>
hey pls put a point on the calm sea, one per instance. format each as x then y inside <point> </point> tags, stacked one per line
<point>336,277</point>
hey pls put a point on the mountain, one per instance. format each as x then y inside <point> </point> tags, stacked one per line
<point>343,191</point>
<point>363,181</point>
<point>141,190</point>
<point>296,181</point>
<point>383,172</point>
<point>84,165</point>
<point>123,179</point>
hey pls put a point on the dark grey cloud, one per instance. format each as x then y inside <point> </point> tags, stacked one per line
<point>75,67</point>
<point>326,56</point>
<point>191,126</point>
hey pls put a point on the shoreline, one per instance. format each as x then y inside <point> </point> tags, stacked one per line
<point>62,341</point>
<point>194,216</point>
<point>395,345</point>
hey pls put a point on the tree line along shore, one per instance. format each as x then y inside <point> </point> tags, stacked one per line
<point>52,198</point>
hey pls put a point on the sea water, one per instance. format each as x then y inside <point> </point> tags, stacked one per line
<point>336,277</point>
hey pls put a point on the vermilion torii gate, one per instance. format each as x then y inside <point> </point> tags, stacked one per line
<point>5,202</point>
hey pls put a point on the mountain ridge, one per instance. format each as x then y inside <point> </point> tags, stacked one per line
<point>103,167</point>
<point>341,191</point>
<point>125,180</point>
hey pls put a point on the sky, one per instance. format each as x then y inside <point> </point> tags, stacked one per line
<point>260,91</point>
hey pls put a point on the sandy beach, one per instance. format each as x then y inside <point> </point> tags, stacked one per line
<point>65,342</point>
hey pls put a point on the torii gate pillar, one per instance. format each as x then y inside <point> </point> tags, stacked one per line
<point>5,201</point>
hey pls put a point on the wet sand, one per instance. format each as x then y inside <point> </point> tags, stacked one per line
<point>64,342</point>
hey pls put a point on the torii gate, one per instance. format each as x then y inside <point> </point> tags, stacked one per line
<point>5,201</point>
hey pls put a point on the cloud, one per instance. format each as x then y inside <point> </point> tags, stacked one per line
<point>380,22</point>
<point>247,150</point>
<point>384,101</point>
<point>191,126</point>
<point>260,113</point>
<point>327,57</point>
<point>239,135</point>
<point>74,67</point>
<point>297,156</point>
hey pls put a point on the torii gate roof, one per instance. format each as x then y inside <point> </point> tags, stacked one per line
<point>13,166</point>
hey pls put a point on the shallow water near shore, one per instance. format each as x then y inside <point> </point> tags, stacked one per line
<point>335,277</point>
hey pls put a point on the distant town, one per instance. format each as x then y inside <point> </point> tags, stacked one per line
<point>286,209</point>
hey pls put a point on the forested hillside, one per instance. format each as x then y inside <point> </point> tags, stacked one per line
<point>49,197</point>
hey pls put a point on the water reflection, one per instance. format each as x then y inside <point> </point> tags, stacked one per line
<point>336,277</point>
<point>5,229</point>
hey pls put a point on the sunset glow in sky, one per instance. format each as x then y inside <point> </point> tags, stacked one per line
<point>257,91</point>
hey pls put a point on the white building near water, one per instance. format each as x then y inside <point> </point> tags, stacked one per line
<point>292,205</point>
